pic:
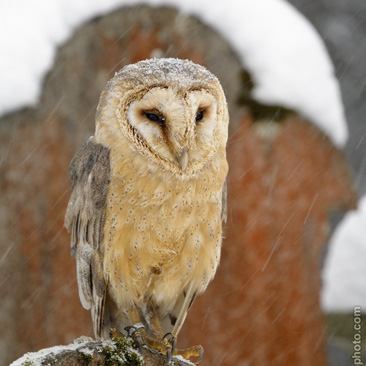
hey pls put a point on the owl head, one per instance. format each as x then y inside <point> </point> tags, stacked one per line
<point>172,111</point>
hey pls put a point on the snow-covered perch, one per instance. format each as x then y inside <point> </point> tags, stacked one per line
<point>85,351</point>
<point>280,48</point>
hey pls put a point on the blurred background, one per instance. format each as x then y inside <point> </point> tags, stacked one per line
<point>292,269</point>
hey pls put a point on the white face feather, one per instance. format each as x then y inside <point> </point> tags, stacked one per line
<point>176,128</point>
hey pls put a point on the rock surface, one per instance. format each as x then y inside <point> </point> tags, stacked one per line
<point>84,351</point>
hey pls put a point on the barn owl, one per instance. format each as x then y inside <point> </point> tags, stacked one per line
<point>149,198</point>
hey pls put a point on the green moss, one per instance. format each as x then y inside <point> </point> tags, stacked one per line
<point>27,363</point>
<point>121,354</point>
<point>84,358</point>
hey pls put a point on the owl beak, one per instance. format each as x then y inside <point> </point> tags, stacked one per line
<point>183,158</point>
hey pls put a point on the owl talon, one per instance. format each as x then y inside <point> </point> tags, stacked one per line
<point>171,340</point>
<point>200,358</point>
<point>168,354</point>
<point>195,351</point>
<point>139,343</point>
<point>132,329</point>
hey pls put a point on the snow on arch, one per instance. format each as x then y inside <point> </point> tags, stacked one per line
<point>344,273</point>
<point>280,48</point>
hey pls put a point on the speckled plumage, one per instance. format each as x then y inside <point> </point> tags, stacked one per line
<point>161,219</point>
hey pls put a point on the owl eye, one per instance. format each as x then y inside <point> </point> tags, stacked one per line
<point>154,117</point>
<point>199,115</point>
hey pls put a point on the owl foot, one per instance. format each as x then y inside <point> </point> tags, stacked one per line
<point>187,353</point>
<point>166,345</point>
<point>170,346</point>
<point>134,331</point>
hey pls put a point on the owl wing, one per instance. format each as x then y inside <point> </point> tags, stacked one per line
<point>85,217</point>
